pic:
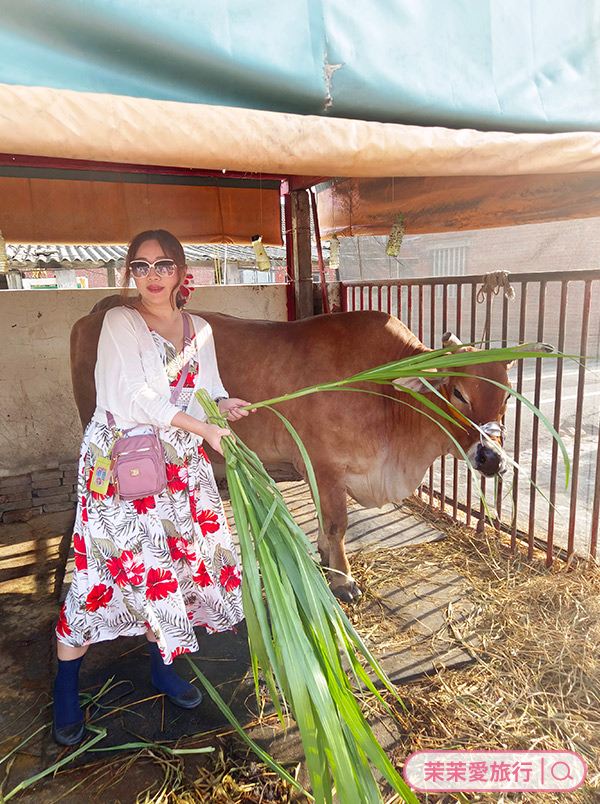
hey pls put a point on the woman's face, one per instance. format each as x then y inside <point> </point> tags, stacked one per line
<point>154,289</point>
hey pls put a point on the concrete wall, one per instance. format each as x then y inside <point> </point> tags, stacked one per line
<point>39,426</point>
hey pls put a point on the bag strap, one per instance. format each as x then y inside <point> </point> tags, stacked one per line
<point>187,341</point>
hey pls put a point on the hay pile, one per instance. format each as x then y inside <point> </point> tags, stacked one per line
<point>534,682</point>
<point>230,775</point>
<point>535,679</point>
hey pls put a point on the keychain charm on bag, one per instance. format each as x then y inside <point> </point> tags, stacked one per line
<point>101,476</point>
<point>102,472</point>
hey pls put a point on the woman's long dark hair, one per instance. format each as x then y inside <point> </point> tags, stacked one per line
<point>172,249</point>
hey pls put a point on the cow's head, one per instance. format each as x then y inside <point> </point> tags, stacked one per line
<point>473,400</point>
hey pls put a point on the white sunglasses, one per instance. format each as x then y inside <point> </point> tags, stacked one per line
<point>162,266</point>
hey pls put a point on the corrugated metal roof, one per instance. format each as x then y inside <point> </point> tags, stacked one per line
<point>27,257</point>
<point>22,256</point>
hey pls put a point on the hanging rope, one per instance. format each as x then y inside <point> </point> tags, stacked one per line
<point>492,284</point>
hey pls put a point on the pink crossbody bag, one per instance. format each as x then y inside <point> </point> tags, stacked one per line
<point>138,461</point>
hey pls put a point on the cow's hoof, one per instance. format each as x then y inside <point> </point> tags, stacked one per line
<point>348,593</point>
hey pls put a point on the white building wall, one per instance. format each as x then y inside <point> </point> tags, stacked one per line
<point>39,425</point>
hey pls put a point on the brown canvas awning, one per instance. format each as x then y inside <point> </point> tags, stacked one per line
<point>74,209</point>
<point>442,179</point>
<point>458,203</point>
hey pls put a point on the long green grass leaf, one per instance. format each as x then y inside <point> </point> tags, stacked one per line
<point>301,637</point>
<point>266,758</point>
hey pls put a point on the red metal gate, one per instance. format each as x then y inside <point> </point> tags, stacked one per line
<point>551,307</point>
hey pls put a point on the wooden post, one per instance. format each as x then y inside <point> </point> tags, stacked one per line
<point>14,280</point>
<point>111,274</point>
<point>302,254</point>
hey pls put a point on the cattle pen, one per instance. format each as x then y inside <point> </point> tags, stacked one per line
<point>506,309</point>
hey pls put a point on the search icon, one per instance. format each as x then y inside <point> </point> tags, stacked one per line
<point>558,778</point>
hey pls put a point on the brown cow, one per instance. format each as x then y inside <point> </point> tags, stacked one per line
<point>360,444</point>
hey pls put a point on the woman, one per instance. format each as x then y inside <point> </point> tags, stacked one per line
<point>165,563</point>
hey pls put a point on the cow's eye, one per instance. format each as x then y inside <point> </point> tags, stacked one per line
<point>458,395</point>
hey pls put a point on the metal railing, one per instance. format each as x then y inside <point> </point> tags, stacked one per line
<point>553,307</point>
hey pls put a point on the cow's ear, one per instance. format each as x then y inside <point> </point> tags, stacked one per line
<point>417,384</point>
<point>451,341</point>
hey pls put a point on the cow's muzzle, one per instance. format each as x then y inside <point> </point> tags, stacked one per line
<point>487,456</point>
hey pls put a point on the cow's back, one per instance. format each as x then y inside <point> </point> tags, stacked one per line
<point>260,360</point>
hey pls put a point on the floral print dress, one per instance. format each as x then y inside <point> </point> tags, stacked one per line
<point>165,562</point>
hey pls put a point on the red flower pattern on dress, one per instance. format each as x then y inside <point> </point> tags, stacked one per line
<point>80,552</point>
<point>230,578</point>
<point>117,570</point>
<point>160,583</point>
<point>62,629</point>
<point>202,454</point>
<point>126,569</point>
<point>144,504</point>
<point>98,597</point>
<point>208,521</point>
<point>176,477</point>
<point>133,567</point>
<point>190,380</point>
<point>181,549</point>
<point>178,651</point>
<point>84,513</point>
<point>201,576</point>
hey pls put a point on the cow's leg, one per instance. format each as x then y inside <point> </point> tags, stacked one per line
<point>331,539</point>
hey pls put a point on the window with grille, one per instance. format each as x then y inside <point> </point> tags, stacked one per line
<point>449,261</point>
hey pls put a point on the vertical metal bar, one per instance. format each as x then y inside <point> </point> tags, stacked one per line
<point>596,505</point>
<point>504,343</point>
<point>518,417</point>
<point>409,302</point>
<point>432,291</point>
<point>487,338</point>
<point>556,421</point>
<point>399,301</point>
<point>379,297</point>
<point>421,313</point>
<point>444,308</point>
<point>471,340</point>
<point>443,458</point>
<point>578,417</point>
<point>455,467</point>
<point>432,311</point>
<point>536,423</point>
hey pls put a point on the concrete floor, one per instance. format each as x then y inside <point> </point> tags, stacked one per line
<point>32,562</point>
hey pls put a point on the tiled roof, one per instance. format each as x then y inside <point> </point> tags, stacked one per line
<point>22,256</point>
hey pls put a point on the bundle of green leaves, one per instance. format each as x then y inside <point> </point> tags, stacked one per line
<point>299,636</point>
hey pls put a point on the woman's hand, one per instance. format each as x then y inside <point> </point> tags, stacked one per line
<point>213,435</point>
<point>232,408</point>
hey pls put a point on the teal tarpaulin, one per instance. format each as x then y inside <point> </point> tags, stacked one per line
<point>508,65</point>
